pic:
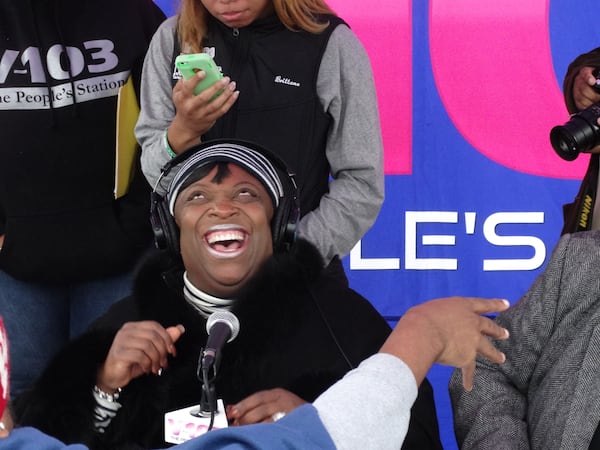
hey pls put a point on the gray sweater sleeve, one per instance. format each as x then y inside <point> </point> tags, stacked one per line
<point>354,149</point>
<point>156,100</point>
<point>370,406</point>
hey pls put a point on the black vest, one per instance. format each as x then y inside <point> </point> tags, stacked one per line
<point>276,73</point>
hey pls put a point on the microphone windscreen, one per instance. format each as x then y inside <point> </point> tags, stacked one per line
<point>227,318</point>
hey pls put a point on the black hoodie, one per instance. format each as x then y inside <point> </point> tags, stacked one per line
<point>57,150</point>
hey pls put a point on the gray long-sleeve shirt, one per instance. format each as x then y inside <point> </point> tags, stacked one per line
<point>370,407</point>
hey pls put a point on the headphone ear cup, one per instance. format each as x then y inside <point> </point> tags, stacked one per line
<point>291,227</point>
<point>285,223</point>
<point>278,227</point>
<point>166,232</point>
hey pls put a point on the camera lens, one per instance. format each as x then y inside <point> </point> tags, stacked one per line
<point>564,142</point>
<point>580,134</point>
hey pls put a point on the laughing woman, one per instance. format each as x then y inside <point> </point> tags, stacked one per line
<point>227,224</point>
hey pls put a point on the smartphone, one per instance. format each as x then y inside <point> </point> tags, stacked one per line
<point>190,64</point>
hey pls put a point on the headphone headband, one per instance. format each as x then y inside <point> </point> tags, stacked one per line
<point>250,160</point>
<point>268,168</point>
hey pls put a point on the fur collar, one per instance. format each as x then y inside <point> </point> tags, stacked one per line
<point>159,286</point>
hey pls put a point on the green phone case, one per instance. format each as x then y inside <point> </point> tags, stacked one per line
<point>189,64</point>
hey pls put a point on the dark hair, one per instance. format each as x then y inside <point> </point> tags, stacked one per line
<point>222,173</point>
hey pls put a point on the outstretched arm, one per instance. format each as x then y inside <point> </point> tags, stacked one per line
<point>370,406</point>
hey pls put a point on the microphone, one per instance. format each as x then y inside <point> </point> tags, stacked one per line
<point>222,327</point>
<point>183,424</point>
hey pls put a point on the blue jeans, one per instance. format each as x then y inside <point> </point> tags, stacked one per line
<point>40,319</point>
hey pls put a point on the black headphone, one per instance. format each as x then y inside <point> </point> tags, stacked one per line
<point>285,217</point>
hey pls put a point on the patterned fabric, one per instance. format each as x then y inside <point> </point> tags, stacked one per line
<point>547,393</point>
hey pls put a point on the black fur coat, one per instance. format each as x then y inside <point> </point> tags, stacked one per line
<point>299,330</point>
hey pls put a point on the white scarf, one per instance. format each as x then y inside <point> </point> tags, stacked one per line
<point>204,303</point>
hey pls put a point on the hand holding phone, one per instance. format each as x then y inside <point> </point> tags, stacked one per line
<point>190,64</point>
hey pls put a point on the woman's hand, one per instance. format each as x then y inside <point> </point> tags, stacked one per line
<point>196,114</point>
<point>584,93</point>
<point>138,348</point>
<point>263,406</point>
<point>451,331</point>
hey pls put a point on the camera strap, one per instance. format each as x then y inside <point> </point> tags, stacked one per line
<point>586,198</point>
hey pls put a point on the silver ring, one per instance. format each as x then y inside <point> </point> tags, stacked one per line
<point>2,426</point>
<point>160,371</point>
<point>278,415</point>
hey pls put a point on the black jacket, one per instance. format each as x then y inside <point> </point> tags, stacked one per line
<point>299,330</point>
<point>57,157</point>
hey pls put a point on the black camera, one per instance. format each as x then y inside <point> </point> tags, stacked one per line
<point>581,133</point>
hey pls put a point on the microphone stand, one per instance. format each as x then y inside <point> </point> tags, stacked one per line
<point>208,398</point>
